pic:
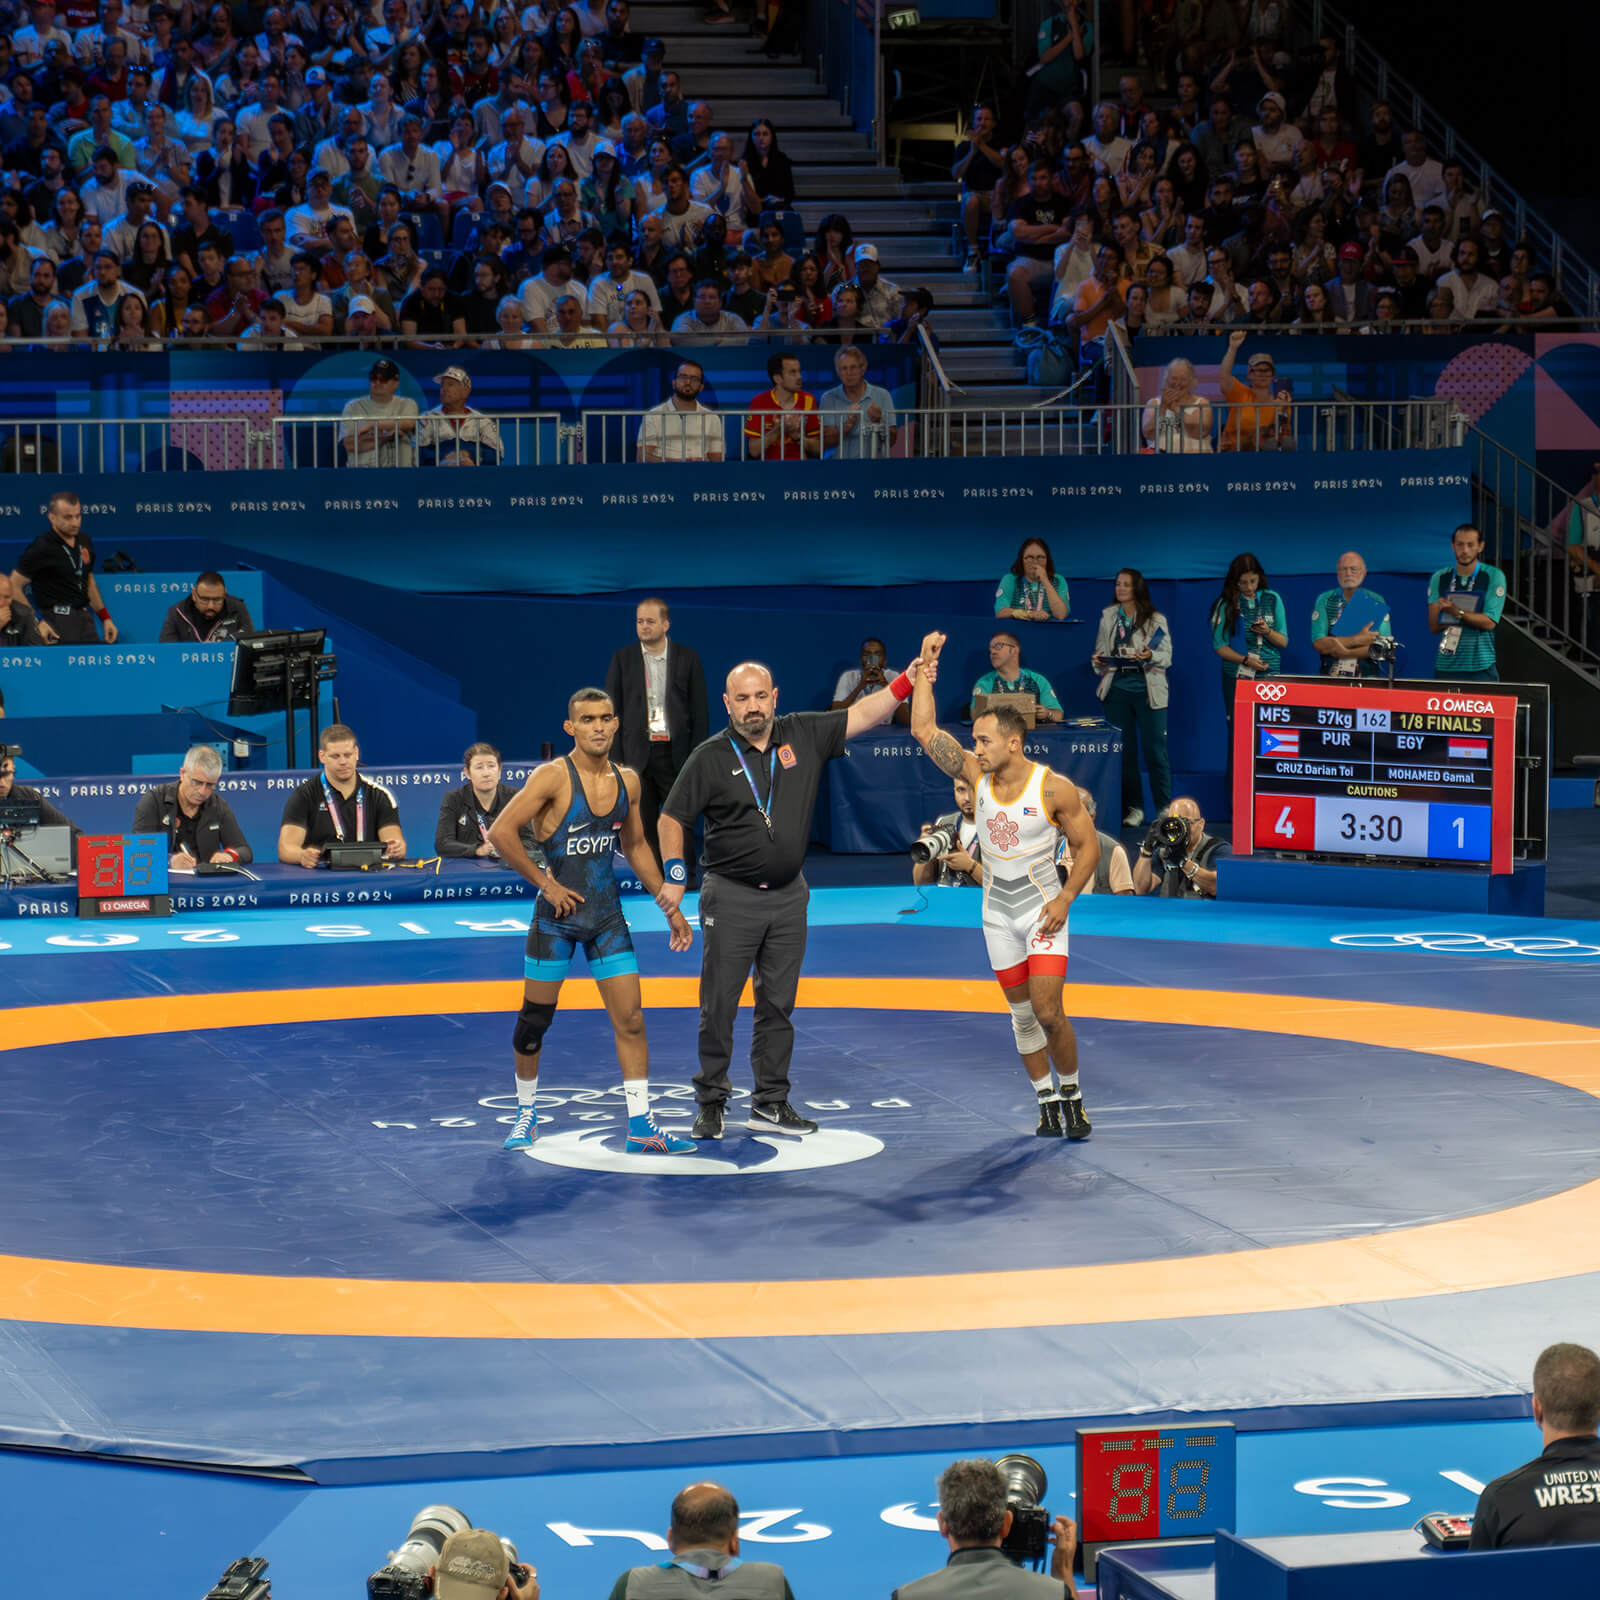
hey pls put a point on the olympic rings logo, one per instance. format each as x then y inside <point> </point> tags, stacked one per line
<point>1445,942</point>
<point>1271,691</point>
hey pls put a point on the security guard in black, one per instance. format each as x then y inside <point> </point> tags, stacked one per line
<point>59,568</point>
<point>758,803</point>
<point>1554,1499</point>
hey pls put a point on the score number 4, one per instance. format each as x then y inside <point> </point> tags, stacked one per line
<point>1132,1481</point>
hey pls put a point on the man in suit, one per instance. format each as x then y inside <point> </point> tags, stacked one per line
<point>659,690</point>
<point>974,1519</point>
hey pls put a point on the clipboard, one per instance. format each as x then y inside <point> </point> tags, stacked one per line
<point>1364,610</point>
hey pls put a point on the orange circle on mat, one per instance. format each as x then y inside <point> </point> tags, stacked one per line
<point>1549,1238</point>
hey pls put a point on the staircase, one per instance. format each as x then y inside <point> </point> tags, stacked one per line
<point>912,224</point>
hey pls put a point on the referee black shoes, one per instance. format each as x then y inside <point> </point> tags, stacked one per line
<point>708,1123</point>
<point>781,1118</point>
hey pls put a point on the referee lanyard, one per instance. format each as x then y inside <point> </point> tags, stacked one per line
<point>772,780</point>
<point>333,809</point>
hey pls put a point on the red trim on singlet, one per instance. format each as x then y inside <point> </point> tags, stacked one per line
<point>1047,966</point>
<point>1012,976</point>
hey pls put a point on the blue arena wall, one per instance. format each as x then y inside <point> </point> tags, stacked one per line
<point>742,525</point>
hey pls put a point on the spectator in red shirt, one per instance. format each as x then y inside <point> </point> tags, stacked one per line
<point>782,437</point>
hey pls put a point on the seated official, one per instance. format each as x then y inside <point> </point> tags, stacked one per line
<point>209,616</point>
<point>1113,875</point>
<point>704,1541</point>
<point>1031,590</point>
<point>198,822</point>
<point>14,793</point>
<point>1008,677</point>
<point>974,1518</point>
<point>337,807</point>
<point>854,682</point>
<point>1555,1498</point>
<point>19,628</point>
<point>960,867</point>
<point>466,813</point>
<point>1184,872</point>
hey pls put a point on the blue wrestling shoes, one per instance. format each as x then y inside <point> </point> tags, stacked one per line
<point>646,1138</point>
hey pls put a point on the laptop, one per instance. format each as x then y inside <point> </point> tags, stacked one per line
<point>51,848</point>
<point>354,853</point>
<point>1023,703</point>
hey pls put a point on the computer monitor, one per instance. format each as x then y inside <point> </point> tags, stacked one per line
<point>50,849</point>
<point>260,664</point>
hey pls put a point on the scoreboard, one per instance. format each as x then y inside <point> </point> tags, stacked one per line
<point>1361,771</point>
<point>1137,1483</point>
<point>123,875</point>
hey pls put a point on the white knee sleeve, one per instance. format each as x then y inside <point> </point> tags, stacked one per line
<point>1025,1026</point>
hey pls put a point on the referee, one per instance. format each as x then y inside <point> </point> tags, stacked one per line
<point>756,787</point>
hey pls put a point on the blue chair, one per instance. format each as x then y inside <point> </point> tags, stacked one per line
<point>242,225</point>
<point>425,224</point>
<point>461,228</point>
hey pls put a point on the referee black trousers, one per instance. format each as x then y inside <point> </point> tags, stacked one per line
<point>655,784</point>
<point>741,928</point>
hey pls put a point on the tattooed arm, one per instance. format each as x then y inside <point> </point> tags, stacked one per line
<point>946,754</point>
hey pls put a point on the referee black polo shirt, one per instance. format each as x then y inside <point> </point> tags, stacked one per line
<point>1554,1499</point>
<point>307,807</point>
<point>713,785</point>
<point>58,571</point>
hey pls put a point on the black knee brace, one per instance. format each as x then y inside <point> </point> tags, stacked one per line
<point>532,1021</point>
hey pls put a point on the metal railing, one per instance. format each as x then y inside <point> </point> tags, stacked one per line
<point>478,439</point>
<point>142,444</point>
<point>610,437</point>
<point>1526,521</point>
<point>1378,80</point>
<point>526,439</point>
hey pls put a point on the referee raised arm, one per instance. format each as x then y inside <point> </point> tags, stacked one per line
<point>756,787</point>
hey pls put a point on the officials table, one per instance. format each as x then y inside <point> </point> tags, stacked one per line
<point>876,797</point>
<point>275,886</point>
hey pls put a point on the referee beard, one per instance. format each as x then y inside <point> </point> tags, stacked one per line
<point>756,786</point>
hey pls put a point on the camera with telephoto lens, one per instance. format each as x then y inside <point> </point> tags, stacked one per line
<point>406,1575</point>
<point>1028,1540</point>
<point>938,841</point>
<point>1171,839</point>
<point>1382,648</point>
<point>244,1579</point>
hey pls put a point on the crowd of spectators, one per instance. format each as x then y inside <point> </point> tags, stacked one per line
<point>1259,192</point>
<point>455,173</point>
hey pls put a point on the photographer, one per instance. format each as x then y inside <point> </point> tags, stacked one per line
<point>974,1519</point>
<point>474,1565</point>
<point>704,1541</point>
<point>1179,866</point>
<point>956,867</point>
<point>1112,874</point>
<point>20,794</point>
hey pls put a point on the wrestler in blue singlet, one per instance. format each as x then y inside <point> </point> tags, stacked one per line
<point>581,853</point>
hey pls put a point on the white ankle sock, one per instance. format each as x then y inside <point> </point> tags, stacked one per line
<point>1069,1085</point>
<point>527,1091</point>
<point>637,1093</point>
<point>1043,1087</point>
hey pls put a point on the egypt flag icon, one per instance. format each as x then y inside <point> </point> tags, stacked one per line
<point>1469,749</point>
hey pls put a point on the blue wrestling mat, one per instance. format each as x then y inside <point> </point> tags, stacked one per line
<point>260,1210</point>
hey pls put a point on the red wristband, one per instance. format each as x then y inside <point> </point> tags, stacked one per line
<point>901,687</point>
<point>103,614</point>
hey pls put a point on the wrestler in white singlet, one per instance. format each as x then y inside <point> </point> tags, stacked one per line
<point>1019,875</point>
